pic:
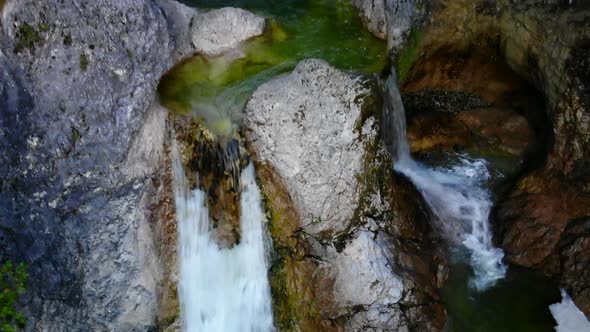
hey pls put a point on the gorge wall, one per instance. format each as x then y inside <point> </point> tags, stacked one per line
<point>546,43</point>
<point>81,149</point>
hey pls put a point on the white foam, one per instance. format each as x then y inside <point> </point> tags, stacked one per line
<point>221,290</point>
<point>455,195</point>
<point>568,317</point>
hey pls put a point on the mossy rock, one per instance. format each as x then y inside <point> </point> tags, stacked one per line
<point>28,37</point>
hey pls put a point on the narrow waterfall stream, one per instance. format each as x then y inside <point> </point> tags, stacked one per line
<point>221,290</point>
<point>455,195</point>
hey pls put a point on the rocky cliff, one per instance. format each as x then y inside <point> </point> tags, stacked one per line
<point>86,194</point>
<point>82,138</point>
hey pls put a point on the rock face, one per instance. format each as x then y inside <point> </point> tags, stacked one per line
<point>180,18</point>
<point>81,138</point>
<point>373,15</point>
<point>220,30</point>
<point>392,19</point>
<point>348,257</point>
<point>471,102</point>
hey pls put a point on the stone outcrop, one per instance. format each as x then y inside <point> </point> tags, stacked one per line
<point>81,139</point>
<point>349,254</point>
<point>470,102</point>
<point>180,19</point>
<point>393,20</point>
<point>86,194</point>
<point>220,30</point>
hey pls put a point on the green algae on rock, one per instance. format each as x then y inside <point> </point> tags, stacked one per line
<point>216,88</point>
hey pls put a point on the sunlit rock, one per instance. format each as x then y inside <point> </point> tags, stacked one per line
<point>305,125</point>
<point>221,30</point>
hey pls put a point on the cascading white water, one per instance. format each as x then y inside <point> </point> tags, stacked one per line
<point>220,289</point>
<point>568,317</point>
<point>455,195</point>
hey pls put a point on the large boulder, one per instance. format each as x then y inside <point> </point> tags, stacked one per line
<point>306,125</point>
<point>81,139</point>
<point>349,254</point>
<point>221,30</point>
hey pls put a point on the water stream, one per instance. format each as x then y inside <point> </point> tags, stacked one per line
<point>220,289</point>
<point>216,89</point>
<point>461,205</point>
<point>481,294</point>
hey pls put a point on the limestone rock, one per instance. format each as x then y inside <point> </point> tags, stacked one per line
<point>221,30</point>
<point>373,15</point>
<point>305,126</point>
<point>180,19</point>
<point>80,139</point>
<point>363,277</point>
<point>392,19</point>
<point>350,253</point>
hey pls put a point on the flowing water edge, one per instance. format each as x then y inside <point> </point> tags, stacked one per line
<point>221,289</point>
<point>455,195</point>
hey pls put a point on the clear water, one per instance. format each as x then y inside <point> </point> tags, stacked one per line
<point>220,289</point>
<point>517,303</point>
<point>216,89</point>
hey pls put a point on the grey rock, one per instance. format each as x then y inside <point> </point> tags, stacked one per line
<point>392,19</point>
<point>221,30</point>
<point>305,125</point>
<point>80,139</point>
<point>363,262</point>
<point>373,14</point>
<point>363,277</point>
<point>180,19</point>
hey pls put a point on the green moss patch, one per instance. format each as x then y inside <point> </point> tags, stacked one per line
<point>84,62</point>
<point>408,55</point>
<point>28,38</point>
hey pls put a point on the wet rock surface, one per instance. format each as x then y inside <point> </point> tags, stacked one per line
<point>574,253</point>
<point>368,262</point>
<point>456,102</point>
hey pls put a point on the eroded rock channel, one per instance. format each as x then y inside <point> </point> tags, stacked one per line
<point>310,165</point>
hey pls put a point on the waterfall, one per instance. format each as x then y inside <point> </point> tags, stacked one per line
<point>568,317</point>
<point>220,289</point>
<point>455,195</point>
